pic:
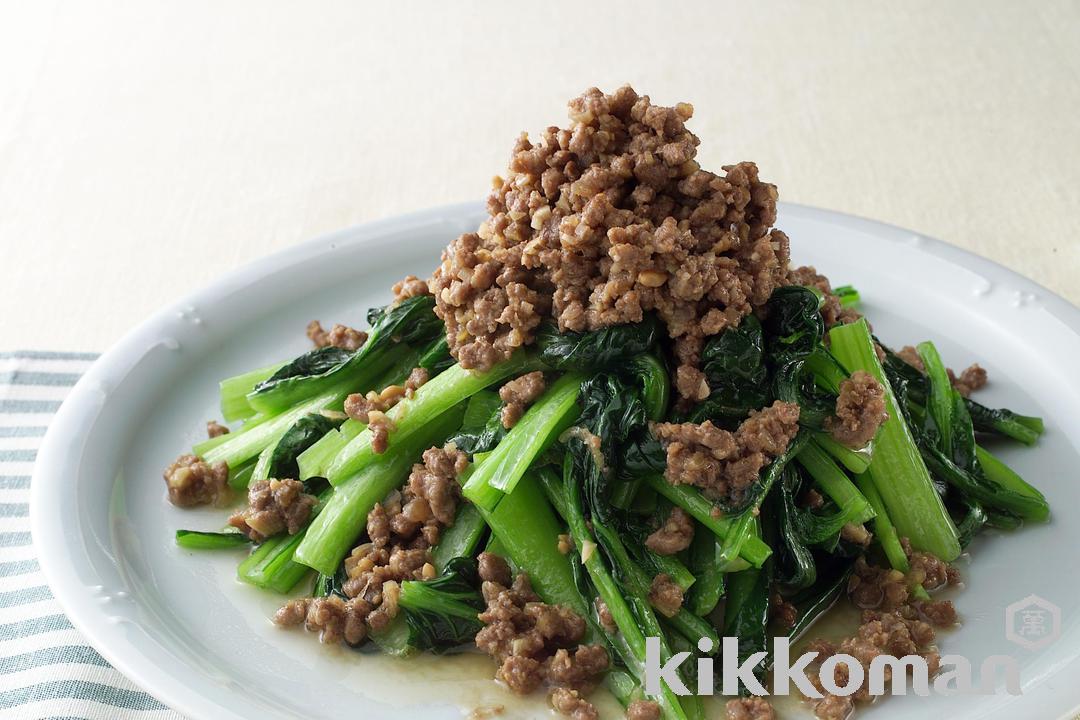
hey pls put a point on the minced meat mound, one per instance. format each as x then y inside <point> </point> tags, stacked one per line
<point>604,221</point>
<point>972,378</point>
<point>860,410</point>
<point>340,336</point>
<point>335,619</point>
<point>274,506</point>
<point>725,464</point>
<point>190,481</point>
<point>537,644</point>
<point>518,395</point>
<point>401,532</point>
<point>570,703</point>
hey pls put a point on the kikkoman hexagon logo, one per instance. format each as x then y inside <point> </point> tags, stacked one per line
<point>1033,622</point>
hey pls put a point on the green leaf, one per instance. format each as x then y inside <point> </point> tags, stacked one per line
<point>598,350</point>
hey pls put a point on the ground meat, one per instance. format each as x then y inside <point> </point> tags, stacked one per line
<point>371,408</point>
<point>519,394</point>
<point>926,569</point>
<point>434,483</point>
<point>358,406</point>
<point>417,378</point>
<point>215,429</point>
<point>493,568</point>
<point>722,463</point>
<point>832,311</point>
<point>782,612</point>
<point>856,533</point>
<point>607,220</point>
<point>274,506</point>
<point>603,615</point>
<point>665,595</point>
<point>896,633</point>
<point>675,535</point>
<point>972,378</point>
<point>401,530</point>
<point>580,669</point>
<point>911,356</point>
<point>749,708</point>
<point>873,587</point>
<point>409,286</point>
<point>691,383</point>
<point>535,643</point>
<point>643,710</point>
<point>380,425</point>
<point>939,613</point>
<point>886,589</point>
<point>860,410</point>
<point>340,336</point>
<point>192,481</point>
<point>570,703</point>
<point>335,619</point>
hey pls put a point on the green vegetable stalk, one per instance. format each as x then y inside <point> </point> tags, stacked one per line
<point>897,469</point>
<point>447,389</point>
<point>541,425</point>
<point>333,532</point>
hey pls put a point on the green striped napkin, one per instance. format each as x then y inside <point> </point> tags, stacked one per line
<point>46,668</point>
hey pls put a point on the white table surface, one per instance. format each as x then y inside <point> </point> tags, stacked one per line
<point>147,147</point>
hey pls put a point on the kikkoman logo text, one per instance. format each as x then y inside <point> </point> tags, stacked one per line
<point>886,674</point>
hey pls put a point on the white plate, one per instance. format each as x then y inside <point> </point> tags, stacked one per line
<point>178,624</point>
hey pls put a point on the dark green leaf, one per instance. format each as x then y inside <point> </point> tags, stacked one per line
<point>437,357</point>
<point>813,602</point>
<point>304,433</point>
<point>411,320</point>
<point>442,613</point>
<point>793,325</point>
<point>746,614</point>
<point>603,349</point>
<point>319,361</point>
<point>482,428</point>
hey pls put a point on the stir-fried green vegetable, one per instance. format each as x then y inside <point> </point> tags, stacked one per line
<point>573,493</point>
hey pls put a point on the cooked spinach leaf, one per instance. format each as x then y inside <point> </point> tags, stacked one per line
<point>482,428</point>
<point>442,613</point>
<point>304,433</point>
<point>597,350</point>
<point>411,321</point>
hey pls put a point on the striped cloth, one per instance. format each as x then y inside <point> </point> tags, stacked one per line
<point>46,668</point>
